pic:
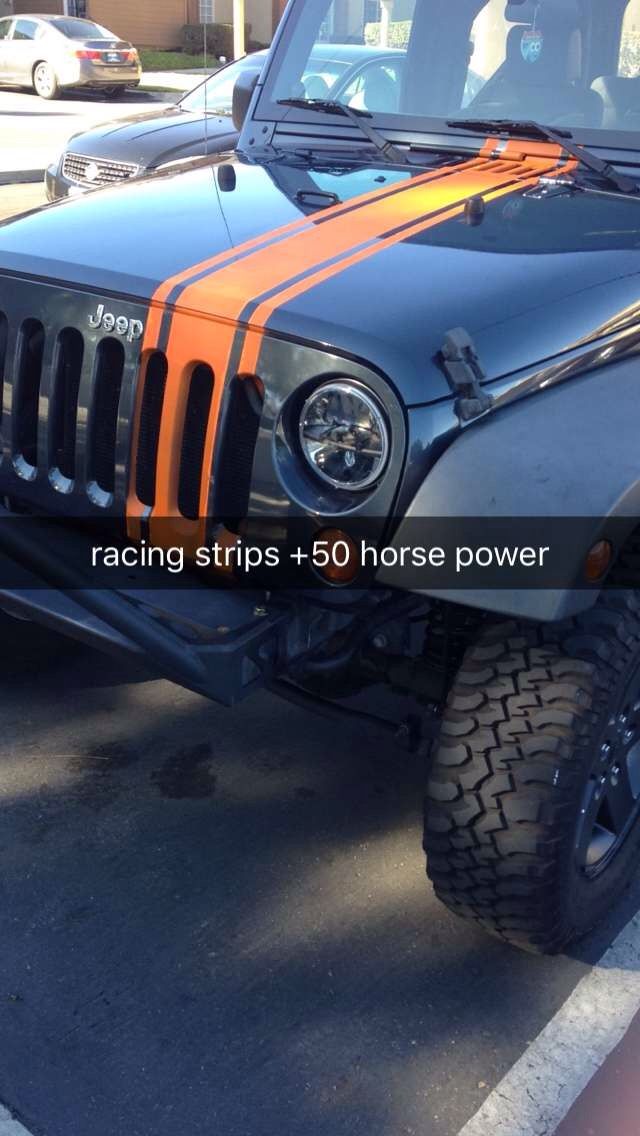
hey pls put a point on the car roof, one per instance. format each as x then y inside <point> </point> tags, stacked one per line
<point>52,17</point>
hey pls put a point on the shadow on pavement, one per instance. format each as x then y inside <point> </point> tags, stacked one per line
<point>217,921</point>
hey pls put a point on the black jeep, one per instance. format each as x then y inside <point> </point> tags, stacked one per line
<point>354,416</point>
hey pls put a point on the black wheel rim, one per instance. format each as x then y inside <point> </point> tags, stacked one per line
<point>611,803</point>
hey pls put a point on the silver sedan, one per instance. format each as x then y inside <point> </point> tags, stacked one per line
<point>52,53</point>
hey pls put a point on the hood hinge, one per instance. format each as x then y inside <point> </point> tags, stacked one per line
<point>464,372</point>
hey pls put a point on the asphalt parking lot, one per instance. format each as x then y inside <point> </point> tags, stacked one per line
<point>217,921</point>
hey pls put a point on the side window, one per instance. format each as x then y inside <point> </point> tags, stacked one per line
<point>375,88</point>
<point>5,28</point>
<point>629,63</point>
<point>26,29</point>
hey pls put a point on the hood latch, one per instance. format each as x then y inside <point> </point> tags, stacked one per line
<point>464,372</point>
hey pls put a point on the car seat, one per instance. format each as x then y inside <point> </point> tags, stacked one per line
<point>379,91</point>
<point>536,79</point>
<point>621,101</point>
<point>315,87</point>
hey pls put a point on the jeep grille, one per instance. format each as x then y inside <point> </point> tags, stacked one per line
<point>82,414</point>
<point>66,404</point>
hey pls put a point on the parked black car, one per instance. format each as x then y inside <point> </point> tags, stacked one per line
<point>129,147</point>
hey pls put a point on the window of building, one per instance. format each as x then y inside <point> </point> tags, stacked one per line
<point>207,11</point>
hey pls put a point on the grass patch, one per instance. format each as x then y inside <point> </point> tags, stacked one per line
<point>172,60</point>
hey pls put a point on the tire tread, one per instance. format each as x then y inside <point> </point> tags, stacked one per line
<point>516,734</point>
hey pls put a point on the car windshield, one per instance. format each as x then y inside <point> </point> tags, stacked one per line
<point>569,64</point>
<point>322,71</point>
<point>81,29</point>
<point>216,94</point>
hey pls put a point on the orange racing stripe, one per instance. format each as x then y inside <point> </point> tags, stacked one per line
<point>160,302</point>
<point>306,254</point>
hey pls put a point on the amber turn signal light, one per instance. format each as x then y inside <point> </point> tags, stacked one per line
<point>598,561</point>
<point>335,556</point>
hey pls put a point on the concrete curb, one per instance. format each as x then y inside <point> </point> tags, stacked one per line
<point>21,177</point>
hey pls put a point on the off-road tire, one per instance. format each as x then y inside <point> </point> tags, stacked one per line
<point>520,746</point>
<point>45,81</point>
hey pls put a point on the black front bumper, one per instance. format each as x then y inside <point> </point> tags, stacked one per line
<point>57,186</point>
<point>222,643</point>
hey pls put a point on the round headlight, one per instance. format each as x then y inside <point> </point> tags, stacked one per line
<point>344,435</point>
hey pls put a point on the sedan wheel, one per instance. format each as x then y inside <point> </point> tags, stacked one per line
<point>45,81</point>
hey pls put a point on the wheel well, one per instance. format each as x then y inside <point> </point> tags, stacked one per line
<point>625,571</point>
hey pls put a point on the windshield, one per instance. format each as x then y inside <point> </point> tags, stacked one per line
<point>320,73</point>
<point>216,95</point>
<point>569,64</point>
<point>81,29</point>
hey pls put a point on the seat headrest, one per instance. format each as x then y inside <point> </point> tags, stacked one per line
<point>619,91</point>
<point>381,93</point>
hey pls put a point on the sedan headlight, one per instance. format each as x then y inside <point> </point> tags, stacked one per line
<point>344,435</point>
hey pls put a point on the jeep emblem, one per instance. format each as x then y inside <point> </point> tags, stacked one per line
<point>129,329</point>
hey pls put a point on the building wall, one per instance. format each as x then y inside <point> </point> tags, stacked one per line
<point>159,23</point>
<point>47,7</point>
<point>259,13</point>
<point>147,23</point>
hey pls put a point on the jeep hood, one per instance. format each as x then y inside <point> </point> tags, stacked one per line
<point>373,263</point>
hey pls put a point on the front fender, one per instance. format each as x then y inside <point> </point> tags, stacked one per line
<point>571,451</point>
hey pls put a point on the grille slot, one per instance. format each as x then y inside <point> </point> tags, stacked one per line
<point>26,395</point>
<point>103,429</point>
<point>91,172</point>
<point>193,440</point>
<point>4,335</point>
<point>155,382</point>
<point>238,447</point>
<point>64,402</point>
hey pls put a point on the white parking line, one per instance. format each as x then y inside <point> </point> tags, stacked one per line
<point>536,1094</point>
<point>9,1126</point>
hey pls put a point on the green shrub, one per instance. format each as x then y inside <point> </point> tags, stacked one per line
<point>399,33</point>
<point>219,39</point>
<point>158,60</point>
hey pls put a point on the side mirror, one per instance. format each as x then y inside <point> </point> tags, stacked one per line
<point>242,95</point>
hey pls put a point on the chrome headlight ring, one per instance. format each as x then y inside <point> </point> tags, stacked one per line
<point>344,435</point>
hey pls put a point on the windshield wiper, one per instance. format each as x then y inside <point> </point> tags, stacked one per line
<point>528,129</point>
<point>358,117</point>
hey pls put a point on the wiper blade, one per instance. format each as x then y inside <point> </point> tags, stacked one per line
<point>528,129</point>
<point>330,106</point>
